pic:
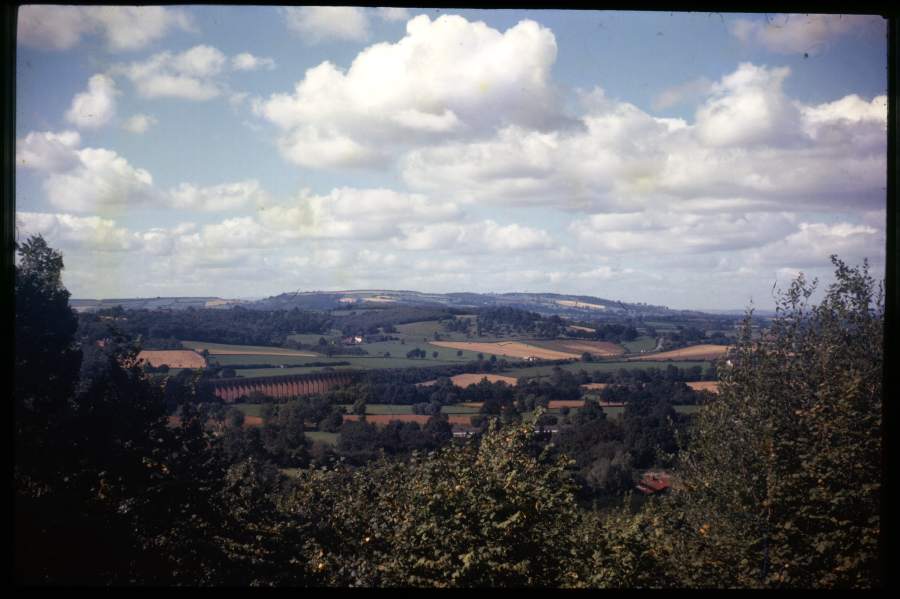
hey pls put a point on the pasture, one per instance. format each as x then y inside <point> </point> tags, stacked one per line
<point>545,371</point>
<point>642,343</point>
<point>322,437</point>
<point>248,350</point>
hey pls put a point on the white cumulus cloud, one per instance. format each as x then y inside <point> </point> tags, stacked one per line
<point>316,24</point>
<point>248,62</point>
<point>96,106</point>
<point>128,28</point>
<point>750,147</point>
<point>798,33</point>
<point>449,76</point>
<point>214,198</point>
<point>139,123</point>
<point>190,75</point>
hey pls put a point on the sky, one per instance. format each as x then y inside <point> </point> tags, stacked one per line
<point>693,160</point>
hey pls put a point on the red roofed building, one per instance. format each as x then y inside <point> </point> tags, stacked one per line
<point>654,482</point>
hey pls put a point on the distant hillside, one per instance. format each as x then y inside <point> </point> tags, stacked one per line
<point>542,303</point>
<point>153,303</point>
<point>570,306</point>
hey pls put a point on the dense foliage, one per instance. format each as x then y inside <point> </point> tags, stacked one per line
<point>237,325</point>
<point>781,482</point>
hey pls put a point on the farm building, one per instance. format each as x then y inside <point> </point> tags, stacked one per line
<point>654,482</point>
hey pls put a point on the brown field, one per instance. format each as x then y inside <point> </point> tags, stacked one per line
<point>513,349</point>
<point>173,358</point>
<point>712,386</point>
<point>580,346</point>
<point>705,351</point>
<point>383,419</point>
<point>555,404</point>
<point>593,386</point>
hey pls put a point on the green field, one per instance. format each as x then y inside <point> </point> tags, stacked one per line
<point>322,437</point>
<point>642,343</point>
<point>419,331</point>
<point>458,409</point>
<point>249,409</point>
<point>356,363</point>
<point>198,345</point>
<point>611,366</point>
<point>237,359</point>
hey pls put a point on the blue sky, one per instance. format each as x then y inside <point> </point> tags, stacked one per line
<point>685,159</point>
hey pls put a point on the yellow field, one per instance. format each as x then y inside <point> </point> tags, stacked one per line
<point>574,304</point>
<point>712,386</point>
<point>695,352</point>
<point>513,349</point>
<point>173,358</point>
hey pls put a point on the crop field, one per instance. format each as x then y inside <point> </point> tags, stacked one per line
<point>248,350</point>
<point>579,346</point>
<point>177,358</point>
<point>555,404</point>
<point>513,349</point>
<point>711,386</point>
<point>642,343</point>
<point>704,351</point>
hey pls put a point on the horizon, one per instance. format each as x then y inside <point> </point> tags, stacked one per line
<point>339,291</point>
<point>677,159</point>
